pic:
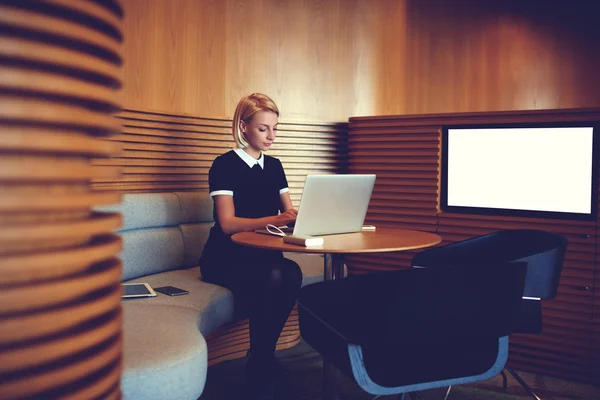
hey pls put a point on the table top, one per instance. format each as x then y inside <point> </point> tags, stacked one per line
<point>380,240</point>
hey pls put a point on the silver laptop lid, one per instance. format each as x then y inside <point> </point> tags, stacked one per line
<point>334,204</point>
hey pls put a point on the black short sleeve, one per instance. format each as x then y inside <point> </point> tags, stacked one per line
<point>282,182</point>
<point>220,177</point>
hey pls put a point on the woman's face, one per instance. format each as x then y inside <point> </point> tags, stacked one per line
<point>260,132</point>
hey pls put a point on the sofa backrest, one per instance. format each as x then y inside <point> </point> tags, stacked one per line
<point>163,231</point>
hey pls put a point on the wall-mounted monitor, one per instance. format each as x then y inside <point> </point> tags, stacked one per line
<point>532,170</point>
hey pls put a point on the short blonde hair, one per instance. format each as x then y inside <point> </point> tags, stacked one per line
<point>245,110</point>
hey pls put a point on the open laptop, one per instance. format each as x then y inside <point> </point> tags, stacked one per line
<point>332,204</point>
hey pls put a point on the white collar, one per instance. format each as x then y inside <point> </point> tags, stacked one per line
<point>248,159</point>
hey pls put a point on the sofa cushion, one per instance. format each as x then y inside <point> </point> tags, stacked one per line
<point>195,207</point>
<point>213,304</point>
<point>144,210</point>
<point>164,356</point>
<point>194,239</point>
<point>152,250</point>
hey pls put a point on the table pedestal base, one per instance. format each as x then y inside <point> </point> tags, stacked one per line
<point>334,269</point>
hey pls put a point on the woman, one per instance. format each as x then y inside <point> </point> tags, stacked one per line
<point>250,190</point>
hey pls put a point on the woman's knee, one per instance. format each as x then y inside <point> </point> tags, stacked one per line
<point>294,271</point>
<point>286,273</point>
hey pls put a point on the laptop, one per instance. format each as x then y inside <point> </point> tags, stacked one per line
<point>332,204</point>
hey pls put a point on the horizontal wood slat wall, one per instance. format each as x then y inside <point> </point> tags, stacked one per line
<point>406,189</point>
<point>595,354</point>
<point>165,152</point>
<point>404,152</point>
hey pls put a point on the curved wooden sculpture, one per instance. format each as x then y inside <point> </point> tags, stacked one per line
<point>60,311</point>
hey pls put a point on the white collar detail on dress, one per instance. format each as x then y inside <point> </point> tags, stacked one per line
<point>248,159</point>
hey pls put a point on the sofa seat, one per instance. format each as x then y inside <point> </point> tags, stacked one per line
<point>164,356</point>
<point>168,349</point>
<point>213,304</point>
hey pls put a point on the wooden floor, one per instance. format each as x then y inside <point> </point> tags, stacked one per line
<point>303,381</point>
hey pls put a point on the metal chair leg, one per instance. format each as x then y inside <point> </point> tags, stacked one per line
<point>416,395</point>
<point>523,383</point>
<point>447,392</point>
<point>504,380</point>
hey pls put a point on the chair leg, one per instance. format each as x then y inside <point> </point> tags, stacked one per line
<point>418,396</point>
<point>523,383</point>
<point>504,380</point>
<point>447,392</point>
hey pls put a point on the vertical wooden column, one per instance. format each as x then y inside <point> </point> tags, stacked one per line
<point>60,311</point>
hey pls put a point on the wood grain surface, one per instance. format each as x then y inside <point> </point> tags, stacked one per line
<point>329,60</point>
<point>379,241</point>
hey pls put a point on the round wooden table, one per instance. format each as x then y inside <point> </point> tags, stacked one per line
<point>334,247</point>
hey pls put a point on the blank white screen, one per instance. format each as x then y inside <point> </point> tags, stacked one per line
<point>538,169</point>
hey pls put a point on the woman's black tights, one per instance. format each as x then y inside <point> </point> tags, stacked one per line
<point>270,292</point>
<point>266,290</point>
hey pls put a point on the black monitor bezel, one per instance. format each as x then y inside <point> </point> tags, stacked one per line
<point>592,216</point>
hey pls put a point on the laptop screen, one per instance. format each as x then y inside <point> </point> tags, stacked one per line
<point>332,204</point>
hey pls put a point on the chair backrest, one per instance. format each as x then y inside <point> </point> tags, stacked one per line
<point>472,300</point>
<point>543,252</point>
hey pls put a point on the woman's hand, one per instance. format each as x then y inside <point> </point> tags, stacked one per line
<point>287,217</point>
<point>231,224</point>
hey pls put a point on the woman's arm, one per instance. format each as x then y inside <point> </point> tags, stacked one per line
<point>286,201</point>
<point>232,224</point>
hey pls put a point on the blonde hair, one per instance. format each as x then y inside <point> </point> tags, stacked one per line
<point>245,110</point>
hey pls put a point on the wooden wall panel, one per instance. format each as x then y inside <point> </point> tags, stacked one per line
<point>404,153</point>
<point>328,60</point>
<point>201,57</point>
<point>175,56</point>
<point>467,56</point>
<point>162,152</point>
<point>305,54</point>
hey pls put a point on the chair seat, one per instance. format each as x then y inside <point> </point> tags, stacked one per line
<point>389,359</point>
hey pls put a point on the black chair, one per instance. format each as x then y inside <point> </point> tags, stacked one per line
<point>543,252</point>
<point>410,330</point>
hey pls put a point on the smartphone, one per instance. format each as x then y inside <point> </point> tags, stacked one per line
<point>171,290</point>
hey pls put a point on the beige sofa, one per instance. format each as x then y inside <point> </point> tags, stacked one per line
<point>165,353</point>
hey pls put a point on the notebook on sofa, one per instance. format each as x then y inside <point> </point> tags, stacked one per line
<point>332,204</point>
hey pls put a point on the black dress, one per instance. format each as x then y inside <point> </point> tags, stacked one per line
<point>264,283</point>
<point>256,194</point>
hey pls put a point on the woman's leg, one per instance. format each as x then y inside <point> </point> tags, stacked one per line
<point>267,286</point>
<point>270,292</point>
<point>278,285</point>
